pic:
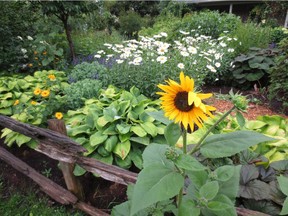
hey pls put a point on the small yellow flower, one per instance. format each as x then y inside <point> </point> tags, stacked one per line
<point>16,103</point>
<point>51,77</point>
<point>45,93</point>
<point>30,65</point>
<point>44,53</point>
<point>33,102</point>
<point>37,91</point>
<point>58,115</point>
<point>35,52</point>
<point>36,58</point>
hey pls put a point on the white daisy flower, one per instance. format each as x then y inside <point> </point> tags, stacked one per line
<point>192,50</point>
<point>211,68</point>
<point>29,38</point>
<point>161,59</point>
<point>217,64</point>
<point>181,66</point>
<point>184,53</point>
<point>97,56</point>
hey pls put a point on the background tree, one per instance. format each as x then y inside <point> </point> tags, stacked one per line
<point>63,10</point>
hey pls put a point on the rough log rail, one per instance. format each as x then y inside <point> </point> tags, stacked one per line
<point>60,147</point>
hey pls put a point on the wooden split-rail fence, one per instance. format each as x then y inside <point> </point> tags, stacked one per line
<point>54,143</point>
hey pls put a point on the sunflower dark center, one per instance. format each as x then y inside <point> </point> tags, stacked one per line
<point>181,102</point>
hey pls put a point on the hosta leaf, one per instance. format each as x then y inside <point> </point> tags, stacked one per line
<point>159,116</point>
<point>139,131</point>
<point>97,138</point>
<point>155,183</point>
<point>122,149</point>
<point>123,128</point>
<point>141,140</point>
<point>79,130</point>
<point>150,128</point>
<point>255,124</point>
<point>225,145</point>
<point>78,170</point>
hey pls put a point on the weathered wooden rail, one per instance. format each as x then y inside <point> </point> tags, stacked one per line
<point>56,145</point>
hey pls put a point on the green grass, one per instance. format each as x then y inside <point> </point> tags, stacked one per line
<point>16,203</point>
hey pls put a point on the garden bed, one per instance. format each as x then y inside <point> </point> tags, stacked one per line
<point>100,193</point>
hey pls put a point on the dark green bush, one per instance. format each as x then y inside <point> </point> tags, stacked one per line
<point>130,24</point>
<point>278,34</point>
<point>253,67</point>
<point>278,89</point>
<point>86,70</point>
<point>78,92</point>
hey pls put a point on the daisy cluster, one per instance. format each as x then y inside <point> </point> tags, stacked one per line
<point>197,55</point>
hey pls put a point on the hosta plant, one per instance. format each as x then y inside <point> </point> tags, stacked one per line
<point>116,127</point>
<point>253,67</point>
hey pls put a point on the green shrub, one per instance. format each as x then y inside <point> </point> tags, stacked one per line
<point>86,70</point>
<point>162,24</point>
<point>278,89</point>
<point>253,68</point>
<point>278,34</point>
<point>78,92</point>
<point>251,35</point>
<point>130,24</point>
<point>209,23</point>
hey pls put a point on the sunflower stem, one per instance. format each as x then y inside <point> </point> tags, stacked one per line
<point>180,195</point>
<point>197,147</point>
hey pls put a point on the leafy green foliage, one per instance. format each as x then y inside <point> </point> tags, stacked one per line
<point>115,127</point>
<point>283,182</point>
<point>77,93</point>
<point>278,88</point>
<point>251,35</point>
<point>209,23</point>
<point>86,70</point>
<point>278,34</point>
<point>31,99</point>
<point>253,67</point>
<point>130,24</point>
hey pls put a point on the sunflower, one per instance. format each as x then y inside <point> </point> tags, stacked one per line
<point>181,104</point>
<point>45,93</point>
<point>58,115</point>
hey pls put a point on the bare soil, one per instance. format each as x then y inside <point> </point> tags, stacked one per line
<point>101,193</point>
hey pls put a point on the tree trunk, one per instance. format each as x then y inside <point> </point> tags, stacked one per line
<point>69,38</point>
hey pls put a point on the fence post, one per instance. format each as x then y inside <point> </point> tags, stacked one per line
<point>72,183</point>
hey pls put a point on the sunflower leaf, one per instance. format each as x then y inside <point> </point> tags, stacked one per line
<point>225,145</point>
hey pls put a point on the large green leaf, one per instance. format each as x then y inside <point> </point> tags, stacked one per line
<point>225,145</point>
<point>159,116</point>
<point>155,183</point>
<point>256,190</point>
<point>172,133</point>
<point>122,149</point>
<point>97,138</point>
<point>284,210</point>
<point>254,76</point>
<point>188,162</point>
<point>155,154</point>
<point>139,131</point>
<point>150,128</point>
<point>283,183</point>
<point>209,190</point>
<point>188,208</point>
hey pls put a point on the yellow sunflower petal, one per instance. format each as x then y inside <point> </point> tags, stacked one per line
<point>204,96</point>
